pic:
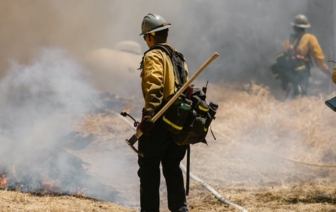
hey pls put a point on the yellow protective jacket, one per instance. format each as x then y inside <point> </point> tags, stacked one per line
<point>309,45</point>
<point>158,81</point>
<point>334,76</point>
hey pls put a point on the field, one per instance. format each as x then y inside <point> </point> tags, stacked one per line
<point>269,155</point>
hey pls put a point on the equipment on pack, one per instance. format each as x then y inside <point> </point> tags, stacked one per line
<point>190,116</point>
<point>177,114</point>
<point>153,23</point>
<point>290,66</point>
<point>301,21</point>
<point>331,103</point>
<point>138,134</point>
<point>196,124</point>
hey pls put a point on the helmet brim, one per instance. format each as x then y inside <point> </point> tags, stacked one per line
<point>155,30</point>
<point>305,26</point>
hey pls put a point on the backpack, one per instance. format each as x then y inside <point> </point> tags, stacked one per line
<point>197,124</point>
<point>290,66</point>
<point>190,116</point>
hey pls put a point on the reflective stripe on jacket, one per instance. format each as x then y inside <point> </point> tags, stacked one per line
<point>309,45</point>
<point>158,81</point>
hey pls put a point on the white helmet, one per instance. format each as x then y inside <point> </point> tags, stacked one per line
<point>153,23</point>
<point>301,21</point>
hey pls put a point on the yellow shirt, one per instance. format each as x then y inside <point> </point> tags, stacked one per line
<point>158,81</point>
<point>309,45</point>
<point>334,76</point>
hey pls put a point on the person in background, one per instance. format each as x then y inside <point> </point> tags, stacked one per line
<point>334,76</point>
<point>303,46</point>
<point>156,143</point>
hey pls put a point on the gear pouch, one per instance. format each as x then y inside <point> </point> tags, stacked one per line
<point>331,103</point>
<point>196,128</point>
<point>176,115</point>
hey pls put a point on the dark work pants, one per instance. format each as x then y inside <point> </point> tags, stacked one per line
<point>300,87</point>
<point>299,80</point>
<point>158,147</point>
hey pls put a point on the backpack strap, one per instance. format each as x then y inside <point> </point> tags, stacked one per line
<point>297,44</point>
<point>293,37</point>
<point>174,55</point>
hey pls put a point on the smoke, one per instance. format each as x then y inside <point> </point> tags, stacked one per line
<point>199,27</point>
<point>36,95</point>
<point>247,34</point>
<point>44,94</point>
<point>42,103</point>
<point>258,138</point>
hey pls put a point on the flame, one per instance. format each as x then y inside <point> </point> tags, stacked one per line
<point>80,193</point>
<point>3,181</point>
<point>47,185</point>
<point>127,111</point>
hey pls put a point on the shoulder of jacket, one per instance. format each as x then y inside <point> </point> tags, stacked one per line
<point>312,39</point>
<point>309,36</point>
<point>177,52</point>
<point>166,48</point>
<point>149,55</point>
<point>154,52</point>
<point>306,36</point>
<point>163,51</point>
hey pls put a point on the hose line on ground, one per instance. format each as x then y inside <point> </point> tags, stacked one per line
<point>213,191</point>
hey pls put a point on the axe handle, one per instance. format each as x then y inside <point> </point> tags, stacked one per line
<point>185,86</point>
<point>180,91</point>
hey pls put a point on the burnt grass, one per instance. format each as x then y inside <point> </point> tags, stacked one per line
<point>74,182</point>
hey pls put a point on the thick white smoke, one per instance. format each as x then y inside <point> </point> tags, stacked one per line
<point>36,99</point>
<point>41,104</point>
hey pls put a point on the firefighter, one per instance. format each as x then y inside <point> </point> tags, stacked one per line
<point>334,76</point>
<point>305,45</point>
<point>158,86</point>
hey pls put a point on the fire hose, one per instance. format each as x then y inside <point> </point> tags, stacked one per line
<point>209,188</point>
<point>213,191</point>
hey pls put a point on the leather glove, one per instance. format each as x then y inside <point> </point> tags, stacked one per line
<point>146,123</point>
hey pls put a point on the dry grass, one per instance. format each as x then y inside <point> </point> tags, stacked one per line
<point>254,117</point>
<point>303,197</point>
<point>253,129</point>
<point>15,201</point>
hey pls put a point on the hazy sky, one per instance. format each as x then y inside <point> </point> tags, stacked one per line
<point>246,33</point>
